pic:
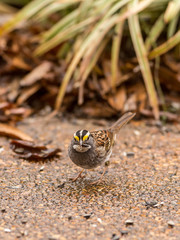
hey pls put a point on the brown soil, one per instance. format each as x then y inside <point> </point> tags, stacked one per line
<point>138,198</point>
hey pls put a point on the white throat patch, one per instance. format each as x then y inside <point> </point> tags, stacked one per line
<point>79,148</point>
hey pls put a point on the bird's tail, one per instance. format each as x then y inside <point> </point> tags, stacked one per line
<point>121,122</point>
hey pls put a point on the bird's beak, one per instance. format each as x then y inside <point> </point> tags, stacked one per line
<point>80,142</point>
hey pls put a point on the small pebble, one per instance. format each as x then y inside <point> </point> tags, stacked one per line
<point>25,233</point>
<point>159,204</point>
<point>19,235</point>
<point>70,218</point>
<point>99,220</point>
<point>123,232</point>
<point>87,216</point>
<point>55,237</point>
<point>150,203</point>
<point>130,154</point>
<point>129,222</point>
<point>94,225</point>
<point>61,185</point>
<point>15,187</point>
<point>137,133</point>
<point>41,169</point>
<point>3,210</point>
<point>23,221</point>
<point>158,123</point>
<point>171,223</point>
<point>124,154</point>
<point>115,237</point>
<point>1,149</point>
<point>7,230</point>
<point>19,150</point>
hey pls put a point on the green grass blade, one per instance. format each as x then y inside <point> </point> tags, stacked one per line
<point>83,75</point>
<point>57,37</point>
<point>173,26</point>
<point>95,37</point>
<point>27,12</point>
<point>158,27</point>
<point>158,85</point>
<point>65,22</point>
<point>172,9</point>
<point>115,53</point>
<point>116,7</point>
<point>141,53</point>
<point>64,36</point>
<point>50,9</point>
<point>155,32</point>
<point>157,5</point>
<point>136,9</point>
<point>165,47</point>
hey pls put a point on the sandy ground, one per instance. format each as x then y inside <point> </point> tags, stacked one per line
<point>138,198</point>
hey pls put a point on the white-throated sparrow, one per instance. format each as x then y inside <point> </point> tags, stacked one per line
<point>91,149</point>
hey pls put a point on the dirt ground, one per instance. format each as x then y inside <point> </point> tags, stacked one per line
<point>138,198</point>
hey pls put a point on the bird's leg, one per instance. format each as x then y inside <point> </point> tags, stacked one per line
<point>78,176</point>
<point>101,177</point>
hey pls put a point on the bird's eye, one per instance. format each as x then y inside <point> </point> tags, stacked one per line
<point>76,138</point>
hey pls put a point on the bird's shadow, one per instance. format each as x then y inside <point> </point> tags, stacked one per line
<point>86,186</point>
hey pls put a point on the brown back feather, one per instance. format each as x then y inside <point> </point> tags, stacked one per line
<point>103,138</point>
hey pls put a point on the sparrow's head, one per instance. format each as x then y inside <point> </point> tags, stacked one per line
<point>82,141</point>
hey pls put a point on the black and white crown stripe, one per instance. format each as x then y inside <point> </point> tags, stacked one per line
<point>81,133</point>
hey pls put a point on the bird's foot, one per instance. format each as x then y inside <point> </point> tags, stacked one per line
<point>96,182</point>
<point>100,179</point>
<point>78,176</point>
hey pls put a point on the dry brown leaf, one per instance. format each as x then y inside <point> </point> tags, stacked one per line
<point>171,62</point>
<point>5,105</point>
<point>118,99</point>
<point>169,79</point>
<point>170,116</point>
<point>28,144</point>
<point>36,74</point>
<point>97,109</point>
<point>138,97</point>
<point>3,91</point>
<point>13,90</point>
<point>26,93</point>
<point>106,64</point>
<point>32,150</point>
<point>141,96</point>
<point>10,131</point>
<point>19,63</point>
<point>49,153</point>
<point>21,111</point>
<point>130,104</point>
<point>105,86</point>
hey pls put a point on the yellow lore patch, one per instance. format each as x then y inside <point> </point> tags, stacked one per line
<point>85,137</point>
<point>77,138</point>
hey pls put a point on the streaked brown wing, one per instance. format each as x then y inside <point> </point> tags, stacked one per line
<point>103,138</point>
